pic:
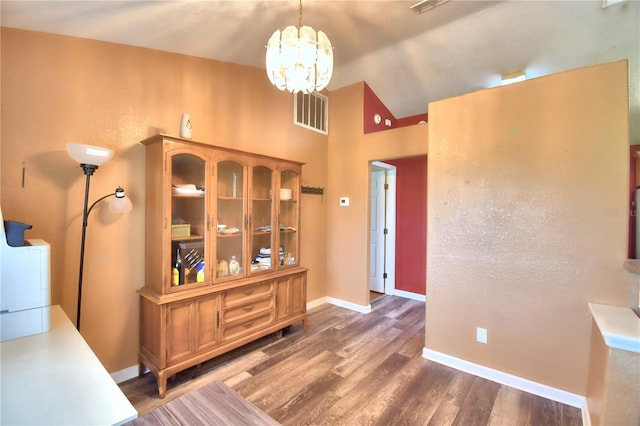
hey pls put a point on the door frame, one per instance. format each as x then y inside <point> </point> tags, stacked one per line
<point>390,224</point>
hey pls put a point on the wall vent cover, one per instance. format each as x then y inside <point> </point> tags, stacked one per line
<point>311,110</point>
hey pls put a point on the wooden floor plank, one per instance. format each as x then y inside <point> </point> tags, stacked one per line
<point>476,408</point>
<point>507,409</point>
<point>357,369</point>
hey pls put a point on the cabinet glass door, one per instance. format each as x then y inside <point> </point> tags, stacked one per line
<point>230,220</point>
<point>188,219</point>
<point>261,245</point>
<point>288,217</point>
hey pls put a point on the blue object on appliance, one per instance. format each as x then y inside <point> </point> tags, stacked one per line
<point>15,232</point>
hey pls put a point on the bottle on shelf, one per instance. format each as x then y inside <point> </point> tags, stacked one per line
<point>178,276</point>
<point>200,272</point>
<point>234,266</point>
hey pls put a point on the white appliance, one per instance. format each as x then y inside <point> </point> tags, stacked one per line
<point>25,287</point>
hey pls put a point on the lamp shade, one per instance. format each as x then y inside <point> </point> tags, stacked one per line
<point>89,154</point>
<point>120,203</point>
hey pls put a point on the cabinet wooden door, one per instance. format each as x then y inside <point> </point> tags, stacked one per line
<point>283,303</point>
<point>231,220</point>
<point>206,315</point>
<point>264,255</point>
<point>192,327</point>
<point>179,331</point>
<point>298,294</point>
<point>288,218</point>
<point>189,188</point>
<point>291,296</point>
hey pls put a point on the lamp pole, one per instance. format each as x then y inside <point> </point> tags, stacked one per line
<point>88,171</point>
<point>119,194</point>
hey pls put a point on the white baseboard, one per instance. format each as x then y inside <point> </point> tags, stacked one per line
<point>126,374</point>
<point>317,302</point>
<point>348,305</point>
<point>525,385</point>
<point>408,295</point>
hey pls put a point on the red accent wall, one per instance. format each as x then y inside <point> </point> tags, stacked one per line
<point>410,121</point>
<point>411,224</point>
<point>373,105</point>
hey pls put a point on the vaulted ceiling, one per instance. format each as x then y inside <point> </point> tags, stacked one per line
<point>407,59</point>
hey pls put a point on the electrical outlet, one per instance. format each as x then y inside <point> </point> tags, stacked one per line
<point>344,201</point>
<point>481,335</point>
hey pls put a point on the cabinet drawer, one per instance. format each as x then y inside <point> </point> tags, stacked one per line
<point>247,326</point>
<point>245,294</point>
<point>245,310</point>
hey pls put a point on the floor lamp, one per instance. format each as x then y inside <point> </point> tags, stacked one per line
<point>90,158</point>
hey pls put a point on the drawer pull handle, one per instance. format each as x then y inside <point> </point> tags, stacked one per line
<point>248,325</point>
<point>248,308</point>
<point>248,292</point>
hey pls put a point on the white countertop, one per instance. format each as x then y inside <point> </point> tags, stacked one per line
<point>620,327</point>
<point>55,378</point>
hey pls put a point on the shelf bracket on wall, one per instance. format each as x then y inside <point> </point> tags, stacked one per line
<point>312,190</point>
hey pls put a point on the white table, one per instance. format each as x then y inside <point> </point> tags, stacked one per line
<point>620,327</point>
<point>55,378</point>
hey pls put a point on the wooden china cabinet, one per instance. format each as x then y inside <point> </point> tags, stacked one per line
<point>222,253</point>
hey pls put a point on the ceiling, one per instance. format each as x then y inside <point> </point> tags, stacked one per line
<point>407,59</point>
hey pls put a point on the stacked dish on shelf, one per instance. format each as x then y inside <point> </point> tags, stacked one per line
<point>188,189</point>
<point>285,194</point>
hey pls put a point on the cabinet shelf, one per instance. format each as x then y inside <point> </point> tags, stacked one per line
<point>173,194</point>
<point>191,238</point>
<point>223,235</point>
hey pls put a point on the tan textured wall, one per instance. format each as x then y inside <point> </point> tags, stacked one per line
<point>60,89</point>
<point>623,391</point>
<point>598,376</point>
<point>527,221</point>
<point>350,152</point>
<point>613,393</point>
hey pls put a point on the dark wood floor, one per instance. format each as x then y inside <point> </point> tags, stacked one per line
<point>355,369</point>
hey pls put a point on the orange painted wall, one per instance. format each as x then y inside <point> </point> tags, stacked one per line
<point>527,221</point>
<point>58,89</point>
<point>349,155</point>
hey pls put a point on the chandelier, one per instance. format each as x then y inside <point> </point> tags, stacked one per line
<point>299,60</point>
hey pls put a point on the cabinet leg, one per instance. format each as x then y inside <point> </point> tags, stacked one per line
<point>305,325</point>
<point>141,369</point>
<point>162,384</point>
<point>279,334</point>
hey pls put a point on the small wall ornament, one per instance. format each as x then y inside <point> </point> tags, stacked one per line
<point>185,126</point>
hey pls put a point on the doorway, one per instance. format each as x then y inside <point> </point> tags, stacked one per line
<point>405,244</point>
<point>382,229</point>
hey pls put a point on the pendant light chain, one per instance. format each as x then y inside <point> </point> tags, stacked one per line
<point>300,15</point>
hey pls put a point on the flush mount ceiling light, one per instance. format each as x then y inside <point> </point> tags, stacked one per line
<point>425,5</point>
<point>513,77</point>
<point>607,3</point>
<point>298,59</point>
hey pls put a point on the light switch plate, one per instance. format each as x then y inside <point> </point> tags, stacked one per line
<point>344,201</point>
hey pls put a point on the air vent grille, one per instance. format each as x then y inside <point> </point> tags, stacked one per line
<point>311,111</point>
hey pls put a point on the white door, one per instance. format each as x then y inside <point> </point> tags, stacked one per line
<point>377,236</point>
